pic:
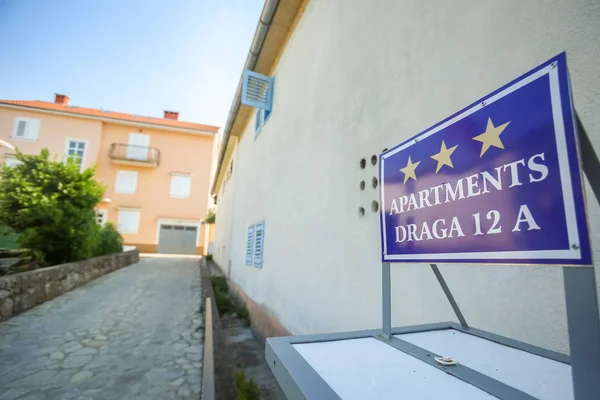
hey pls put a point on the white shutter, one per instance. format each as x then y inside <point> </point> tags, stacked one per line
<point>33,129</point>
<point>126,182</point>
<point>138,146</point>
<point>180,186</point>
<point>129,221</point>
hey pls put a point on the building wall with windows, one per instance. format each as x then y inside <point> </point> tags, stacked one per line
<point>54,132</point>
<point>353,79</point>
<point>174,188</point>
<point>156,177</point>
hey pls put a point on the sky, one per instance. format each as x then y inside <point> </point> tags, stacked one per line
<point>134,56</point>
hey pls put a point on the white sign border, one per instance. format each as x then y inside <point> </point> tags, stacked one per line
<point>574,251</point>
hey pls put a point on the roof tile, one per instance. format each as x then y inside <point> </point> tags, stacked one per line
<point>109,114</point>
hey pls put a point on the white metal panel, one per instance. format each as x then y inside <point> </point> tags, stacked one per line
<point>369,369</point>
<point>538,376</point>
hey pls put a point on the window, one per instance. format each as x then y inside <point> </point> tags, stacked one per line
<point>26,128</point>
<point>259,242</point>
<point>126,182</point>
<point>261,119</point>
<point>129,221</point>
<point>12,162</point>
<point>180,185</point>
<point>75,150</point>
<point>101,216</point>
<point>250,245</point>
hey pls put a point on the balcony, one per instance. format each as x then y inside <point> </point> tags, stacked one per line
<point>130,154</point>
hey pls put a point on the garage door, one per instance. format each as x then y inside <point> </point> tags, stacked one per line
<point>177,239</point>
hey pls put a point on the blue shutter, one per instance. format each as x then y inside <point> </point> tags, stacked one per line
<point>259,243</point>
<point>257,90</point>
<point>250,245</point>
<point>257,122</point>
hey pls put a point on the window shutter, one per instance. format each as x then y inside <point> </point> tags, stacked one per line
<point>257,90</point>
<point>126,182</point>
<point>33,129</point>
<point>249,245</point>
<point>180,185</point>
<point>129,221</point>
<point>21,129</point>
<point>259,242</point>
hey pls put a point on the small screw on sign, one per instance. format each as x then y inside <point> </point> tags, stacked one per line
<point>553,65</point>
<point>446,361</point>
<point>574,246</point>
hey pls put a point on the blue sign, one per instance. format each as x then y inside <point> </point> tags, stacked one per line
<point>497,182</point>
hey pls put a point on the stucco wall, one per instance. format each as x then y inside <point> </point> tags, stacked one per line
<point>225,214</point>
<point>179,152</point>
<point>53,134</point>
<point>358,77</point>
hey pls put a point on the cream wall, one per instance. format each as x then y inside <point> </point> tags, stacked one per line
<point>179,152</point>
<point>357,77</point>
<point>53,133</point>
<point>223,243</point>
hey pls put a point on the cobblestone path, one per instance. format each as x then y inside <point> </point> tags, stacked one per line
<point>128,335</point>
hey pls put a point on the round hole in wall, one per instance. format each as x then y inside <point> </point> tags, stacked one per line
<point>362,185</point>
<point>374,182</point>
<point>374,206</point>
<point>363,163</point>
<point>373,159</point>
<point>361,211</point>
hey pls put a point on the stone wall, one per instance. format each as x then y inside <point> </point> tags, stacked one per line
<point>23,291</point>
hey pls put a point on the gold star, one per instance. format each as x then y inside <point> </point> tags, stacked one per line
<point>443,157</point>
<point>409,170</point>
<point>491,136</point>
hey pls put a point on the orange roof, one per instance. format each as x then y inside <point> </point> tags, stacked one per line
<point>92,112</point>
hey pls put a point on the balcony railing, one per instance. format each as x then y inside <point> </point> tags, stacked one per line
<point>132,154</point>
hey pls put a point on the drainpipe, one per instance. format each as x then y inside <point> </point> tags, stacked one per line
<point>266,17</point>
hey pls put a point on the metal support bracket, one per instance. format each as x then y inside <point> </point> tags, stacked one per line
<point>449,296</point>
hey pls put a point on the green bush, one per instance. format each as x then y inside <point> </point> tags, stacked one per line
<point>50,205</point>
<point>221,294</point>
<point>211,217</point>
<point>8,238</point>
<point>108,240</point>
<point>209,257</point>
<point>246,389</point>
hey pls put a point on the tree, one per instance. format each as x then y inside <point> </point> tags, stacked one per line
<point>51,205</point>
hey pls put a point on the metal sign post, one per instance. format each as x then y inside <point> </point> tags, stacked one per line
<point>499,182</point>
